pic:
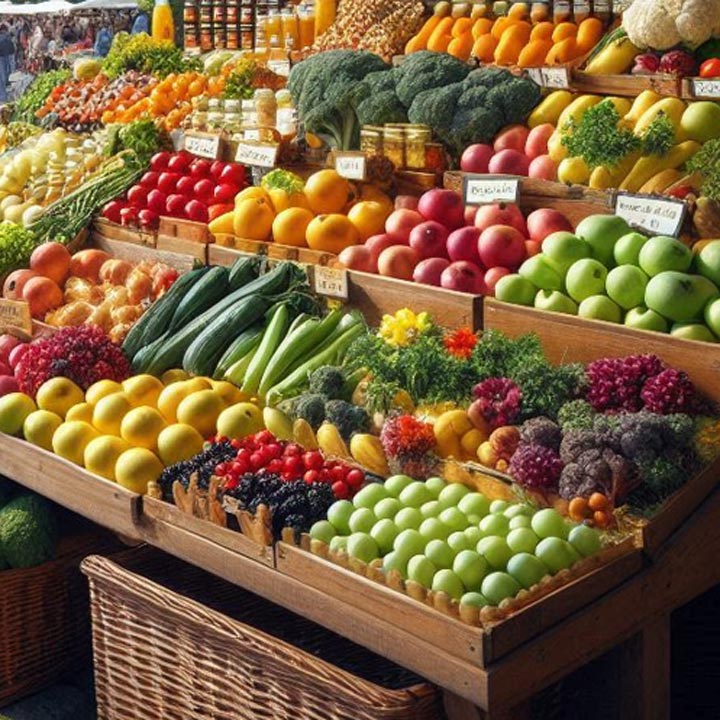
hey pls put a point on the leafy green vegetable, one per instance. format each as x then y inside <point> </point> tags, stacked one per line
<point>16,246</point>
<point>707,162</point>
<point>659,137</point>
<point>36,94</point>
<point>141,136</point>
<point>142,53</point>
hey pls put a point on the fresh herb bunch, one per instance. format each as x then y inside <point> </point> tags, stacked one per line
<point>248,75</point>
<point>142,53</point>
<point>707,162</point>
<point>659,137</point>
<point>34,97</point>
<point>598,139</point>
<point>141,136</point>
<point>16,246</point>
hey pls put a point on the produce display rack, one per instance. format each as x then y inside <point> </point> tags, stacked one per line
<point>113,231</point>
<point>626,85</point>
<point>227,248</point>
<point>184,237</point>
<point>136,253</point>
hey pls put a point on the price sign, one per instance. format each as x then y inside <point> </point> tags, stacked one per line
<point>202,145</point>
<point>251,134</point>
<point>706,88</point>
<point>489,189</point>
<point>535,74</point>
<point>655,215</point>
<point>279,67</point>
<point>332,282</point>
<point>351,165</point>
<point>557,78</point>
<point>16,314</point>
<point>257,153</point>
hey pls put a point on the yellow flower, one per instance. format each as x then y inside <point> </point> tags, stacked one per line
<point>403,327</point>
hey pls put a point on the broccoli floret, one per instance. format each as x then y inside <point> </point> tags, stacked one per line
<point>28,534</point>
<point>426,70</point>
<point>435,107</point>
<point>380,108</point>
<point>488,77</point>
<point>472,97</point>
<point>516,99</point>
<point>541,431</point>
<point>347,418</point>
<point>309,407</point>
<point>476,125</point>
<point>576,415</point>
<point>380,81</point>
<point>328,381</point>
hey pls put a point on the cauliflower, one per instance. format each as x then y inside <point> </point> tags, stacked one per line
<point>662,24</point>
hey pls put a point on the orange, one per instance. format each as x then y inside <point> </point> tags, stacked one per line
<point>326,191</point>
<point>290,225</point>
<point>253,219</point>
<point>368,191</point>
<point>368,217</point>
<point>563,31</point>
<point>484,48</point>
<point>331,233</point>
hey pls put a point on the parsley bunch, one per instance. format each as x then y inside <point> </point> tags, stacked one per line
<point>707,162</point>
<point>659,137</point>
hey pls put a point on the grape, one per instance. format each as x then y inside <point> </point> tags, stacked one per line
<point>451,495</point>
<point>474,599</point>
<point>497,507</point>
<point>384,533</point>
<point>409,543</point>
<point>430,509</point>
<point>323,530</point>
<point>548,523</point>
<point>554,553</point>
<point>387,508</point>
<point>458,541</point>
<point>584,539</point>
<point>421,570</point>
<point>339,515</point>
<point>527,569</point>
<point>433,529</point>
<point>448,582</point>
<point>415,494</point>
<point>522,540</point>
<point>363,547</point>
<point>519,521</point>
<point>494,525</point>
<point>499,585</point>
<point>393,561</point>
<point>339,543</point>
<point>370,496</point>
<point>473,535</point>
<point>435,485</point>
<point>453,518</point>
<point>439,553</point>
<point>408,519</point>
<point>362,520</point>
<point>471,568</point>
<point>474,519</point>
<point>495,550</point>
<point>474,503</point>
<point>396,484</point>
<point>518,510</point>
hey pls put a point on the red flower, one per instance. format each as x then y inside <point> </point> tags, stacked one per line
<point>404,435</point>
<point>461,343</point>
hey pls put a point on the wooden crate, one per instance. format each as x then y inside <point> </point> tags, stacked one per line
<point>104,502</point>
<point>113,231</point>
<point>690,92</point>
<point>626,85</point>
<point>184,237</point>
<point>227,248</point>
<point>137,253</point>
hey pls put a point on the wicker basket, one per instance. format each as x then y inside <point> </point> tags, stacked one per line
<point>44,623</point>
<point>161,654</point>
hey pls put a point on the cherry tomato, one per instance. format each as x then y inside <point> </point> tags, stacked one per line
<point>341,490</point>
<point>257,461</point>
<point>355,478</point>
<point>238,468</point>
<point>221,469</point>
<point>274,450</point>
<point>710,68</point>
<point>264,437</point>
<point>111,211</point>
<point>339,473</point>
<point>275,466</point>
<point>311,476</point>
<point>292,449</point>
<point>293,464</point>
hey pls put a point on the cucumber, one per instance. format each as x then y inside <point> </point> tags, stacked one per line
<point>210,289</point>
<point>238,349</point>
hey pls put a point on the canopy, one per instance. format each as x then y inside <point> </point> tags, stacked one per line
<point>106,5</point>
<point>49,6</point>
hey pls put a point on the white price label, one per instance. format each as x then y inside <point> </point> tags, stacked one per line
<point>204,146</point>
<point>258,154</point>
<point>279,67</point>
<point>351,165</point>
<point>16,314</point>
<point>706,88</point>
<point>489,189</point>
<point>660,217</point>
<point>557,78</point>
<point>535,74</point>
<point>251,134</point>
<point>332,282</point>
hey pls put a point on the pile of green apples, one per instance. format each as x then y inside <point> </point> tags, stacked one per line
<point>449,539</point>
<point>606,271</point>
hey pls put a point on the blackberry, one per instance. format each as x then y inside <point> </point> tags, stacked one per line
<point>299,523</point>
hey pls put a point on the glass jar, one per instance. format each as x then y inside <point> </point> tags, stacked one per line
<point>191,36</point>
<point>218,15</point>
<point>371,140</point>
<point>247,110</point>
<point>232,118</point>
<point>190,12</point>
<point>540,12</point>
<point>233,38</point>
<point>306,25</point>
<point>198,120</point>
<point>562,11</point>
<point>265,107</point>
<point>581,10</point>
<point>393,144</point>
<point>206,37</point>
<point>416,138</point>
<point>206,11</point>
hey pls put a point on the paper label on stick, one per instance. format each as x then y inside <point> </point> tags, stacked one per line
<point>258,154</point>
<point>204,146</point>
<point>706,88</point>
<point>332,282</point>
<point>16,314</point>
<point>351,165</point>
<point>557,78</point>
<point>279,67</point>
<point>489,189</point>
<point>654,215</point>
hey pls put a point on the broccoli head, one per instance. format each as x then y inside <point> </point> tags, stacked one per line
<point>380,108</point>
<point>28,533</point>
<point>328,381</point>
<point>436,107</point>
<point>515,99</point>
<point>380,81</point>
<point>425,70</point>
<point>347,418</point>
<point>476,125</point>
<point>488,77</point>
<point>309,407</point>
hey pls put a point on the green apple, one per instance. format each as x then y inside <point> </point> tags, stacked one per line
<point>471,568</point>
<point>421,570</point>
<point>555,553</point>
<point>540,273</point>
<point>600,307</point>
<point>339,544</point>
<point>701,121</point>
<point>499,506</point>
<point>387,508</point>
<point>474,599</point>
<point>663,253</point>
<point>452,494</point>
<point>527,569</point>
<point>678,296</point>
<point>515,289</point>
<point>435,485</point>
<point>458,541</point>
<point>384,532</point>
<point>627,248</point>
<point>413,495</point>
<point>430,509</point>
<point>519,521</point>
<point>361,546</point>
<point>495,550</point>
<point>585,278</point>
<point>323,530</point>
<point>494,525</point>
<point>396,484</point>
<point>370,496</point>
<point>453,518</point>
<point>602,232</point>
<point>448,582</point>
<point>584,539</point>
<point>693,331</point>
<point>408,543</point>
<point>707,261</point>
<point>561,249</point>
<point>548,522</point>
<point>473,535</point>
<point>432,529</point>
<point>439,553</point>
<point>555,301</point>
<point>474,503</point>
<point>522,540</point>
<point>712,316</point>
<point>642,318</point>
<point>625,285</point>
<point>499,585</point>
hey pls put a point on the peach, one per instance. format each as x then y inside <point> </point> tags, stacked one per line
<point>14,283</point>
<point>537,140</point>
<point>543,167</point>
<point>86,264</point>
<point>359,257</point>
<point>42,295</point>
<point>52,260</point>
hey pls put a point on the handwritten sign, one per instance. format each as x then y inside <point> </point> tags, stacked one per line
<point>258,154</point>
<point>557,78</point>
<point>16,314</point>
<point>332,282</point>
<point>351,165</point>
<point>705,88</point>
<point>489,189</point>
<point>279,67</point>
<point>251,134</point>
<point>202,145</point>
<point>655,215</point>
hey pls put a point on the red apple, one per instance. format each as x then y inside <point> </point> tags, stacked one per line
<point>429,239</point>
<point>543,167</point>
<point>492,276</point>
<point>533,247</point>
<point>358,257</point>
<point>203,189</point>
<point>7,344</point>
<point>400,223</point>
<point>8,384</point>
<point>512,137</point>
<point>406,202</point>
<point>463,276</point>
<point>509,162</point>
<point>186,185</point>
<point>501,245</point>
<point>156,201</point>
<point>16,354</point>
<point>475,158</point>
<point>470,213</point>
<point>377,243</point>
<point>537,140</point>
<point>167,182</point>
<point>546,221</point>
<point>443,206</point>
<point>500,214</point>
<point>429,271</point>
<point>398,261</point>
<point>462,244</point>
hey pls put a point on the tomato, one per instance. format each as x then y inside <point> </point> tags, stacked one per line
<point>167,182</point>
<point>233,174</point>
<point>203,189</point>
<point>179,163</point>
<point>200,168</point>
<point>149,220</point>
<point>197,211</point>
<point>156,201</point>
<point>160,161</point>
<point>176,205</point>
<point>137,196</point>
<point>710,68</point>
<point>225,193</point>
<point>215,211</point>
<point>186,185</point>
<point>129,216</point>
<point>150,179</point>
<point>112,210</point>
<point>216,169</point>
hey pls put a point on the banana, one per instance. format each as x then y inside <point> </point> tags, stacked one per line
<point>331,442</point>
<point>368,451</point>
<point>673,108</point>
<point>278,423</point>
<point>643,102</point>
<point>661,181</point>
<point>648,166</point>
<point>304,435</point>
<point>550,109</point>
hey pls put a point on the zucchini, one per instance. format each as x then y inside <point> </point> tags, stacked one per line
<point>144,356</point>
<point>155,321</point>
<point>244,270</point>
<point>236,372</point>
<point>246,341</point>
<point>211,289</point>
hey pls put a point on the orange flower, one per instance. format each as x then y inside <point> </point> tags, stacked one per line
<point>461,343</point>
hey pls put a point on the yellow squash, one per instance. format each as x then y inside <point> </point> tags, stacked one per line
<point>650,165</point>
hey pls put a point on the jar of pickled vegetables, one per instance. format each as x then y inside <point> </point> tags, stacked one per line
<point>265,107</point>
<point>416,137</point>
<point>394,146</point>
<point>371,140</point>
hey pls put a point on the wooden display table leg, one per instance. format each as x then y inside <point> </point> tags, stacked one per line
<point>644,681</point>
<point>458,708</point>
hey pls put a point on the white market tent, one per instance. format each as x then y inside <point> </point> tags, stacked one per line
<point>105,5</point>
<point>49,6</point>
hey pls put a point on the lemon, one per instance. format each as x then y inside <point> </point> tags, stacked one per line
<point>108,414</point>
<point>141,427</point>
<point>137,467</point>
<point>83,411</point>
<point>39,428</point>
<point>71,439</point>
<point>143,390</point>
<point>178,442</point>
<point>102,453</point>
<point>172,376</point>
<point>201,410</point>
<point>198,383</point>
<point>100,389</point>
<point>14,409</point>
<point>229,393</point>
<point>171,397</point>
<point>240,420</point>
<point>58,395</point>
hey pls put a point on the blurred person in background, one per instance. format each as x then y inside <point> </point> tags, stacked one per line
<point>7,56</point>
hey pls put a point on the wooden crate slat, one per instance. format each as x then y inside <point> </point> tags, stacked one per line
<point>138,253</point>
<point>181,246</point>
<point>625,85</point>
<point>113,231</point>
